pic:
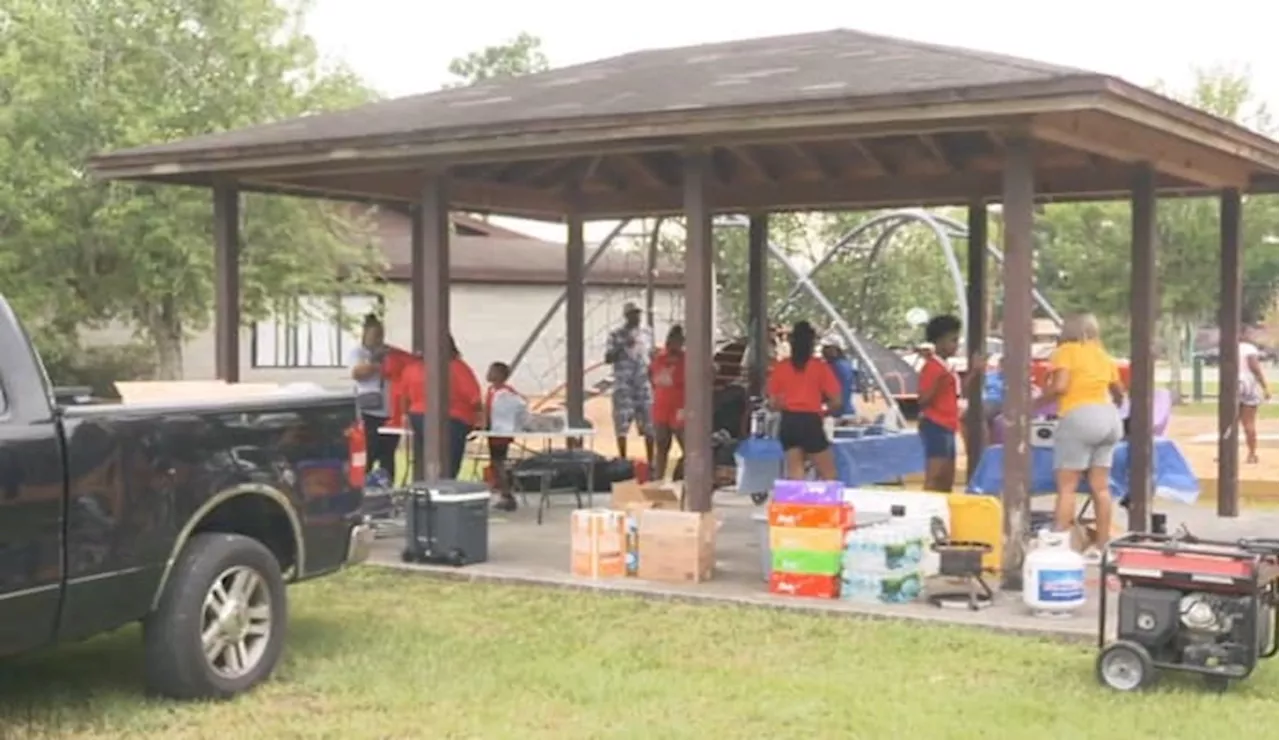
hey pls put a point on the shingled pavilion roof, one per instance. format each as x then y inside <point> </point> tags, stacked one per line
<point>818,120</point>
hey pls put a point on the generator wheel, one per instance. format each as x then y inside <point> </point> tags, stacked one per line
<point>1125,665</point>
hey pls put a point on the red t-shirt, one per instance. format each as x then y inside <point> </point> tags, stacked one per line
<point>667,365</point>
<point>802,391</point>
<point>944,409</point>
<point>464,390</point>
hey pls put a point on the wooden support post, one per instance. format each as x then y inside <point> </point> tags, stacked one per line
<point>1142,361</point>
<point>651,277</point>
<point>758,303</point>
<point>975,422</point>
<point>1018,210</point>
<point>419,291</point>
<point>1229,368</point>
<point>575,319</point>
<point>699,466</point>
<point>226,281</point>
<point>431,276</point>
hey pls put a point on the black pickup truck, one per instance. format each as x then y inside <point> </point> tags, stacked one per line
<point>189,518</point>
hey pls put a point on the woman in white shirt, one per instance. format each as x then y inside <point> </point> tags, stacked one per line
<point>1253,392</point>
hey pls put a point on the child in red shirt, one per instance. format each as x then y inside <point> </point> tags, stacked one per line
<point>666,373</point>
<point>939,388</point>
<point>499,447</point>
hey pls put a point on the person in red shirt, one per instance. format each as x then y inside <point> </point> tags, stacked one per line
<point>940,404</point>
<point>499,447</point>
<point>464,404</point>
<point>666,373</point>
<point>799,386</point>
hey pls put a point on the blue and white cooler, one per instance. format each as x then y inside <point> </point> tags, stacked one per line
<point>759,463</point>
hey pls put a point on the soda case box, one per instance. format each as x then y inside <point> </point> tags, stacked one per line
<point>598,542</point>
<point>829,493</point>
<point>676,546</point>
<point>811,516</point>
<point>806,538</point>
<point>807,562</point>
<point>799,584</point>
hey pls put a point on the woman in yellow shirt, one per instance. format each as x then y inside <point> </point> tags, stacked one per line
<point>1086,383</point>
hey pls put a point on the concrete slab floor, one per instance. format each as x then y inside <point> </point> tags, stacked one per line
<point>523,552</point>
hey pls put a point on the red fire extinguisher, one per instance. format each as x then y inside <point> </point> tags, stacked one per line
<point>357,455</point>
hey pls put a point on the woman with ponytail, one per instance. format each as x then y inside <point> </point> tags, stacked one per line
<point>799,387</point>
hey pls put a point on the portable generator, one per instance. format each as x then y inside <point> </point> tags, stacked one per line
<point>1203,606</point>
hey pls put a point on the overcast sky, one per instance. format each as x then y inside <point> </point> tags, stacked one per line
<point>403,47</point>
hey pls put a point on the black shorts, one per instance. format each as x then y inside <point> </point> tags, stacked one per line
<point>802,431</point>
<point>498,448</point>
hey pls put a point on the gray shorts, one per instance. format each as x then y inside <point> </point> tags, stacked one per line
<point>1086,437</point>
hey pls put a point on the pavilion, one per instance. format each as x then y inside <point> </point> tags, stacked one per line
<point>830,120</point>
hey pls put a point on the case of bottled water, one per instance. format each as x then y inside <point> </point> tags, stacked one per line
<point>884,563</point>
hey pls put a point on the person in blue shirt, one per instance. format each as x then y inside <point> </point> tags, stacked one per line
<point>845,374</point>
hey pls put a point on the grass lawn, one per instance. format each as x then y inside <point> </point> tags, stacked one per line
<point>384,655</point>
<point>1210,408</point>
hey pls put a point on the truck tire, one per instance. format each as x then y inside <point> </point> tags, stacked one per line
<point>220,626</point>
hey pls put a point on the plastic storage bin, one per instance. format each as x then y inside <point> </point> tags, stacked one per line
<point>448,522</point>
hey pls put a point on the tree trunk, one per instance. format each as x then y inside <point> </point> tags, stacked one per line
<point>165,329</point>
<point>1173,330</point>
<point>168,346</point>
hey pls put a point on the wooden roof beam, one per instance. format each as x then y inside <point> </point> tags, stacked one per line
<point>938,150</point>
<point>1124,141</point>
<point>639,170</point>
<point>822,165</point>
<point>915,190</point>
<point>746,157</point>
<point>882,166</point>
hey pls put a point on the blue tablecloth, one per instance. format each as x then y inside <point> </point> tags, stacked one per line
<point>878,458</point>
<point>1172,475</point>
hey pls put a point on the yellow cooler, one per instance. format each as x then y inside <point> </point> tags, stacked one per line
<point>978,519</point>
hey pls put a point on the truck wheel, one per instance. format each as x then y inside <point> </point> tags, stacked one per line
<point>220,626</point>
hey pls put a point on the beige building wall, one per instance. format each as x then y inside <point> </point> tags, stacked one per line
<point>490,322</point>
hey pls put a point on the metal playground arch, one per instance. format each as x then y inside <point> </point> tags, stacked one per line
<point>883,226</point>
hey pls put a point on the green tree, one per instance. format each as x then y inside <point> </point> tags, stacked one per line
<point>519,56</point>
<point>81,78</point>
<point>1089,243</point>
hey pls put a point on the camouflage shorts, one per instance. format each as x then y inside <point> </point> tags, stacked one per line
<point>632,402</point>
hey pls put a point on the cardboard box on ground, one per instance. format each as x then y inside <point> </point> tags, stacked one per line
<point>659,541</point>
<point>598,542</point>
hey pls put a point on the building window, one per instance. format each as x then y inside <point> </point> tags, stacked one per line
<point>315,331</point>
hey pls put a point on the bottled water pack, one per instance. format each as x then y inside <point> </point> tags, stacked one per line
<point>883,563</point>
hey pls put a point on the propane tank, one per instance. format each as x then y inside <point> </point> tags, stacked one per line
<point>1053,576</point>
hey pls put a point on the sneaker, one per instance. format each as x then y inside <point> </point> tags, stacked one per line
<point>506,503</point>
<point>1092,556</point>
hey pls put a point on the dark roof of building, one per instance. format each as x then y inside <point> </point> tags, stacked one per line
<point>481,252</point>
<point>813,121</point>
<point>828,65</point>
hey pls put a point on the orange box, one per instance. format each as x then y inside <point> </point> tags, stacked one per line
<point>810,516</point>
<point>797,584</point>
<point>598,540</point>
<point>827,539</point>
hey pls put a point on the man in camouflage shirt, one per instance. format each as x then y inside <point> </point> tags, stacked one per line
<point>628,353</point>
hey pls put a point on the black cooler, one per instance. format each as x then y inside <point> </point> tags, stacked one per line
<point>447,522</point>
